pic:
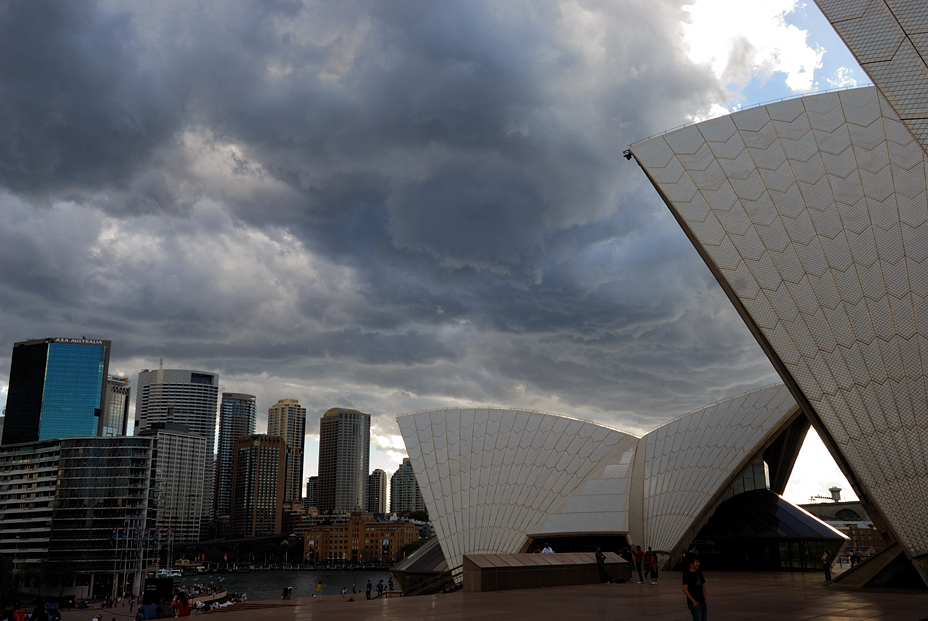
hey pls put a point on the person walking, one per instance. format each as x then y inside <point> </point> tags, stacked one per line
<point>694,587</point>
<point>367,592</point>
<point>319,590</point>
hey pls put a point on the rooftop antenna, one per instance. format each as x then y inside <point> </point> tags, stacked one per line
<point>160,364</point>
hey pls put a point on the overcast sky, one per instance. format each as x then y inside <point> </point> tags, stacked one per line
<point>384,206</point>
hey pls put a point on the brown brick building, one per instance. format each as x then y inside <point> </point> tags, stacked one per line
<point>361,540</point>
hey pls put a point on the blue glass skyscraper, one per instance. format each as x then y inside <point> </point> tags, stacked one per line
<point>57,389</point>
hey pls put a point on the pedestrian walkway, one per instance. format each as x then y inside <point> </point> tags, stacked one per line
<point>732,597</point>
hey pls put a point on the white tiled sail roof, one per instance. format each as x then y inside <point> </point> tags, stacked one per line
<point>889,38</point>
<point>813,212</point>
<point>689,461</point>
<point>493,478</point>
<point>488,475</point>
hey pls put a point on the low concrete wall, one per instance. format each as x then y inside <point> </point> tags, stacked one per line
<point>503,572</point>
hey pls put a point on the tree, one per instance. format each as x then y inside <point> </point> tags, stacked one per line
<point>422,516</point>
<point>409,548</point>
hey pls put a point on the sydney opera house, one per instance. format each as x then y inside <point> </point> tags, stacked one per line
<point>812,213</point>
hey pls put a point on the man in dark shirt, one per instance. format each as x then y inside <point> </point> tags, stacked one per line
<point>601,563</point>
<point>694,587</point>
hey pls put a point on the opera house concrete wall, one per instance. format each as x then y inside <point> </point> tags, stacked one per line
<point>494,480</point>
<point>812,214</point>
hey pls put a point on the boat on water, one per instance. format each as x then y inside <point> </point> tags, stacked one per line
<point>188,568</point>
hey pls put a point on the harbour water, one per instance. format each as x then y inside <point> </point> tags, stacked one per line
<point>260,585</point>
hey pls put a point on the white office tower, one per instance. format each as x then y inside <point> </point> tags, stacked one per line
<point>190,398</point>
<point>178,456</point>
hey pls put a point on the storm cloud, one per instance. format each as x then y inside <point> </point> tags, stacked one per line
<point>388,206</point>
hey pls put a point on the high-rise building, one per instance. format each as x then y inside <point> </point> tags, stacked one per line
<point>188,398</point>
<point>88,505</point>
<point>237,414</point>
<point>312,492</point>
<point>405,494</point>
<point>260,467</point>
<point>178,456</point>
<point>116,420</point>
<point>178,396</point>
<point>344,460</point>
<point>57,389</point>
<point>377,492</point>
<point>287,419</point>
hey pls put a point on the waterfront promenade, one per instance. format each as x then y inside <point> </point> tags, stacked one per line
<point>732,597</point>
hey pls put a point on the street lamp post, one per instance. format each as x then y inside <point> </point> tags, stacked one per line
<point>116,562</point>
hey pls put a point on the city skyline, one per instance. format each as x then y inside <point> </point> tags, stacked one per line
<point>807,461</point>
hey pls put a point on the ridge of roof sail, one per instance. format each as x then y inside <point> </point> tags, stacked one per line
<point>756,105</point>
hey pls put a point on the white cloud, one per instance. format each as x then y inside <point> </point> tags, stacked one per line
<point>842,77</point>
<point>742,41</point>
<point>714,111</point>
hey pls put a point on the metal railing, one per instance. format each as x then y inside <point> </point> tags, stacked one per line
<point>444,582</point>
<point>757,105</point>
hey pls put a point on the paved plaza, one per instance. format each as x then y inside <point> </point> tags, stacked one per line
<point>732,597</point>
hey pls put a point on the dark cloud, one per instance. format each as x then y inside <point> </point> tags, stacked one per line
<point>79,110</point>
<point>385,206</point>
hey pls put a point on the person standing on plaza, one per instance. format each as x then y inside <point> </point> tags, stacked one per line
<point>319,590</point>
<point>694,587</point>
<point>638,556</point>
<point>181,605</point>
<point>601,564</point>
<point>650,563</point>
<point>38,612</point>
<point>826,564</point>
<point>369,588</point>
